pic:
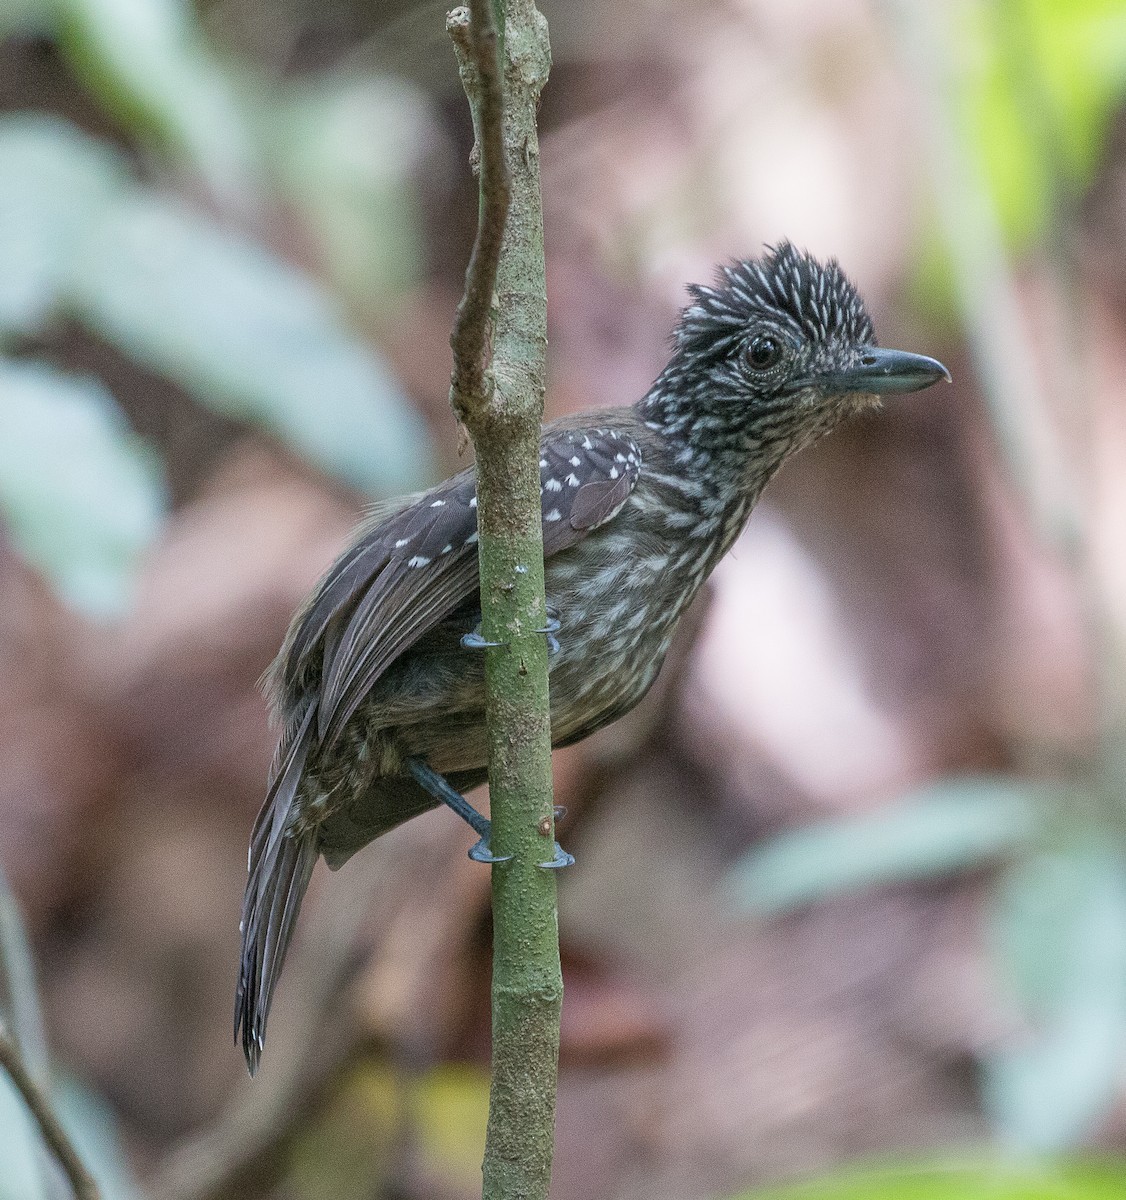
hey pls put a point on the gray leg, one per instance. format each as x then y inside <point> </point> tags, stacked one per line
<point>433,783</point>
<point>430,781</point>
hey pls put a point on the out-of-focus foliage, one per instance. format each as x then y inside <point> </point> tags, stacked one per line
<point>342,147</point>
<point>1059,928</point>
<point>1060,941</point>
<point>29,1172</point>
<point>55,183</point>
<point>93,1125</point>
<point>151,66</point>
<point>956,825</point>
<point>364,1133</point>
<point>25,1161</point>
<point>235,325</point>
<point>249,335</point>
<point>992,1181</point>
<point>1032,87</point>
<point>81,494</point>
<point>1038,83</point>
<point>242,330</point>
<point>1023,106</point>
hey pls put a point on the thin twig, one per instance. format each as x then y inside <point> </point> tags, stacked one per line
<point>18,973</point>
<point>60,1145</point>
<point>474,33</point>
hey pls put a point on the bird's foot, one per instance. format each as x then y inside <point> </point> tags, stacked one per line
<point>550,629</point>
<point>474,641</point>
<point>482,852</point>
<point>561,859</point>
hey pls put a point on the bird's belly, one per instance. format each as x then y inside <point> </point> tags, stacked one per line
<point>616,627</point>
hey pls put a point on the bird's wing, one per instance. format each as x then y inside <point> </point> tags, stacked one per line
<point>416,566</point>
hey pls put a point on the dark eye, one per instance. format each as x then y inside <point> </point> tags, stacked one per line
<point>764,351</point>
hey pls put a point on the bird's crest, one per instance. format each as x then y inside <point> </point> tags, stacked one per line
<point>786,287</point>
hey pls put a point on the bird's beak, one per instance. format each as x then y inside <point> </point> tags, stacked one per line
<point>881,372</point>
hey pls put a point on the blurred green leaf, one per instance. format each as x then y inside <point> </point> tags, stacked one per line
<point>348,150</point>
<point>26,1163</point>
<point>54,182</point>
<point>1060,938</point>
<point>150,64</point>
<point>81,494</point>
<point>348,1150</point>
<point>24,1157</point>
<point>93,1127</point>
<point>947,827</point>
<point>1091,1180</point>
<point>451,1108</point>
<point>1038,83</point>
<point>354,1146</point>
<point>21,1153</point>
<point>251,336</point>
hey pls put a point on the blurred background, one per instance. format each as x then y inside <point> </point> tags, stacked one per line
<point>851,884</point>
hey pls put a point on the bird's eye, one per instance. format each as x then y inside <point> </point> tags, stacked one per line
<point>764,351</point>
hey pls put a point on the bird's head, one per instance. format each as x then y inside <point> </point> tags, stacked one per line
<point>773,355</point>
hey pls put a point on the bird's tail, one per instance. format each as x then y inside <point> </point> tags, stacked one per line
<point>280,865</point>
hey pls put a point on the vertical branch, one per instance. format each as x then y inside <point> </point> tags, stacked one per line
<point>497,391</point>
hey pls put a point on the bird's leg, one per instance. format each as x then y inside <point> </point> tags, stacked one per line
<point>430,781</point>
<point>438,787</point>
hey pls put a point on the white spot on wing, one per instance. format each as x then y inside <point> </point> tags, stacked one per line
<point>418,560</point>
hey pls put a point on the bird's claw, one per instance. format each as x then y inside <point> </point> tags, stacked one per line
<point>482,852</point>
<point>550,629</point>
<point>474,641</point>
<point>561,859</point>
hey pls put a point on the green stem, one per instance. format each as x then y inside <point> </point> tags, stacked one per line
<point>501,404</point>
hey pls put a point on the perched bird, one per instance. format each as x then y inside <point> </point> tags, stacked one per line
<point>381,703</point>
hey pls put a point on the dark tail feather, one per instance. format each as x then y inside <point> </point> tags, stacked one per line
<point>281,864</point>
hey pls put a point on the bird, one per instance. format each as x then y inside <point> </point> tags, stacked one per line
<point>377,691</point>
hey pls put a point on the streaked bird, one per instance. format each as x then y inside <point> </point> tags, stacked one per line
<point>379,700</point>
